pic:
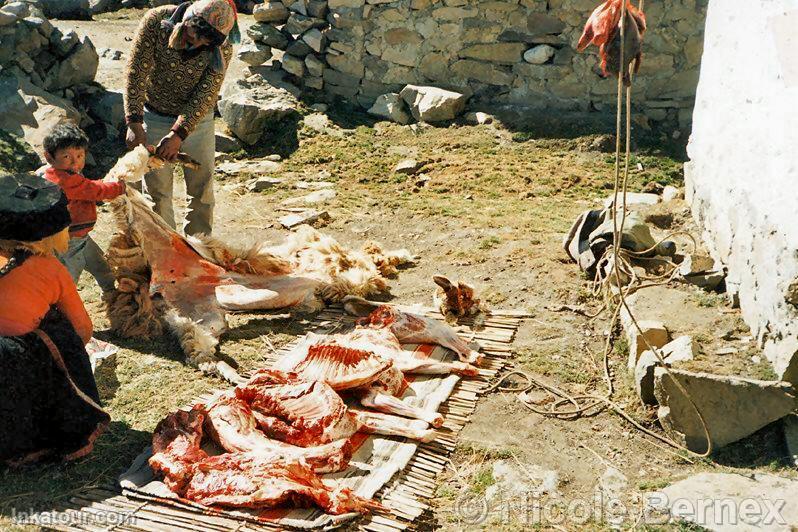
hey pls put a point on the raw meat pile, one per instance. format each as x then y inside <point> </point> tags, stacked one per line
<point>283,427</point>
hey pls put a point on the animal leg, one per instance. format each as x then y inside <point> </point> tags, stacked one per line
<point>389,404</point>
<point>433,367</point>
<point>388,425</point>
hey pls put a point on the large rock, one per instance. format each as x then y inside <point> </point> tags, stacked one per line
<point>679,350</point>
<point>431,104</point>
<point>255,53</point>
<point>727,502</point>
<point>650,332</point>
<point>16,155</point>
<point>16,109</point>
<point>252,104</point>
<point>392,107</point>
<point>274,12</point>
<point>732,407</point>
<point>505,52</point>
<point>268,35</point>
<point>79,67</point>
<point>108,107</point>
<point>66,9</point>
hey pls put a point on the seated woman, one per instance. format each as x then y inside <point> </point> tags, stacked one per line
<point>49,404</point>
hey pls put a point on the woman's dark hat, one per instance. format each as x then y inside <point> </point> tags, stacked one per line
<point>31,208</point>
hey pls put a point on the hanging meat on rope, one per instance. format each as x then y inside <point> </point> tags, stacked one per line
<point>603,29</point>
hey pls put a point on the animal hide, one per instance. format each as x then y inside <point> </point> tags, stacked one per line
<point>187,285</point>
<point>603,30</point>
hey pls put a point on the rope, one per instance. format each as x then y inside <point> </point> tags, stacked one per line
<point>568,407</point>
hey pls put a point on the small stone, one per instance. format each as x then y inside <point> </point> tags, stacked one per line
<point>695,263</point>
<point>652,331</point>
<point>709,281</point>
<point>319,196</point>
<point>634,198</point>
<point>540,54</point>
<point>726,351</point>
<point>274,157</point>
<point>271,12</point>
<point>319,107</point>
<point>263,183</point>
<point>408,167</point>
<point>679,350</point>
<point>670,193</point>
<point>479,118</point>
<point>308,216</point>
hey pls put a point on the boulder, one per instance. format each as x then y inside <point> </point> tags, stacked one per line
<point>268,35</point>
<point>252,104</point>
<point>392,107</point>
<point>539,54</point>
<point>16,109</point>
<point>255,53</point>
<point>51,110</point>
<point>727,502</point>
<point>66,9</point>
<point>732,407</point>
<point>79,67</point>
<point>431,104</point>
<point>108,107</point>
<point>274,12</point>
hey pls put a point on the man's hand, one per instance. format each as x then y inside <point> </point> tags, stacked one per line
<point>135,135</point>
<point>169,147</point>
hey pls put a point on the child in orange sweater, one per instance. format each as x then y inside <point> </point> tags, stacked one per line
<point>65,150</point>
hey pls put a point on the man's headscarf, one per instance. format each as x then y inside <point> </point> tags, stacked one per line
<point>220,14</point>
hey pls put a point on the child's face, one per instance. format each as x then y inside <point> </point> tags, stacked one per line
<point>69,159</point>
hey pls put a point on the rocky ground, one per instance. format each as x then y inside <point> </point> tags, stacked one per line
<point>489,204</point>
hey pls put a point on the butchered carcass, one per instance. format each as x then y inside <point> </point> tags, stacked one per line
<point>231,424</point>
<point>358,367</point>
<point>307,413</point>
<point>257,480</point>
<point>189,284</point>
<point>411,328</point>
<point>176,447</point>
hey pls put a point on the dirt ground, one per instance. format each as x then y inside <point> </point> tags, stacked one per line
<point>495,204</point>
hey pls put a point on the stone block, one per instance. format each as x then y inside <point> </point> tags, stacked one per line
<point>226,143</point>
<point>294,65</point>
<point>732,407</point>
<point>250,105</point>
<point>340,78</point>
<point>347,64</point>
<point>298,24</point>
<point>651,332</point>
<point>315,39</point>
<point>274,12</point>
<point>313,82</point>
<point>298,48</point>
<point>255,53</point>
<point>507,53</point>
<point>696,263</point>
<point>392,107</point>
<point>431,104</point>
<point>453,13</point>
<point>268,35</point>
<point>317,8</point>
<point>341,4</point>
<point>346,92</point>
<point>484,72</point>
<point>314,65</point>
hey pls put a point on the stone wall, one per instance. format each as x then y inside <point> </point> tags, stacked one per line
<point>743,169</point>
<point>500,51</point>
